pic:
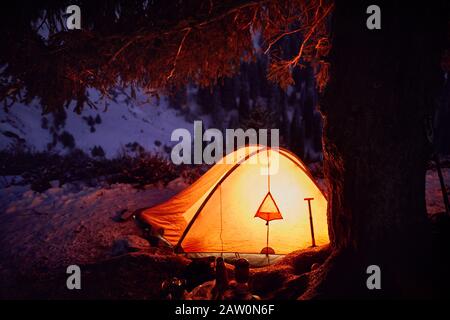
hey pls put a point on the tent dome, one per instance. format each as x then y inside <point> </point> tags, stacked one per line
<point>219,212</point>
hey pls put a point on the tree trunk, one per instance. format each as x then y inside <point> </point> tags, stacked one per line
<point>382,88</point>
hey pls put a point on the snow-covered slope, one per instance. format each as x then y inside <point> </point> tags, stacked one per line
<point>70,224</point>
<point>147,121</point>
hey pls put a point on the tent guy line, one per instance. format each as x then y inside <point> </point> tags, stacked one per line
<point>217,212</point>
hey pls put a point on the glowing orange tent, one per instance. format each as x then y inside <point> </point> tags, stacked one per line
<point>221,211</point>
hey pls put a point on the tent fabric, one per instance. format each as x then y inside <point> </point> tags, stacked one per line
<point>217,212</point>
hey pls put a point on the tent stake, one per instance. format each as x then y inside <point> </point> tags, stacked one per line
<point>311,221</point>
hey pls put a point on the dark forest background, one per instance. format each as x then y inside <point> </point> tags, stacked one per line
<point>258,103</point>
<point>255,102</point>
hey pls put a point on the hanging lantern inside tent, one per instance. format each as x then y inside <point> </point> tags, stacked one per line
<point>268,209</point>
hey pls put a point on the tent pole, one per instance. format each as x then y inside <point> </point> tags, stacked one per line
<point>267,243</point>
<point>268,190</point>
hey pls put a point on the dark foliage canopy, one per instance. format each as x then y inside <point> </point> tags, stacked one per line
<point>155,45</point>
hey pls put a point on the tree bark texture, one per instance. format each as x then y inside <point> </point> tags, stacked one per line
<point>383,85</point>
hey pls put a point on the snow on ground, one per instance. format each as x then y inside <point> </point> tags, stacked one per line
<point>75,224</point>
<point>147,121</point>
<point>69,224</point>
<point>435,203</point>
